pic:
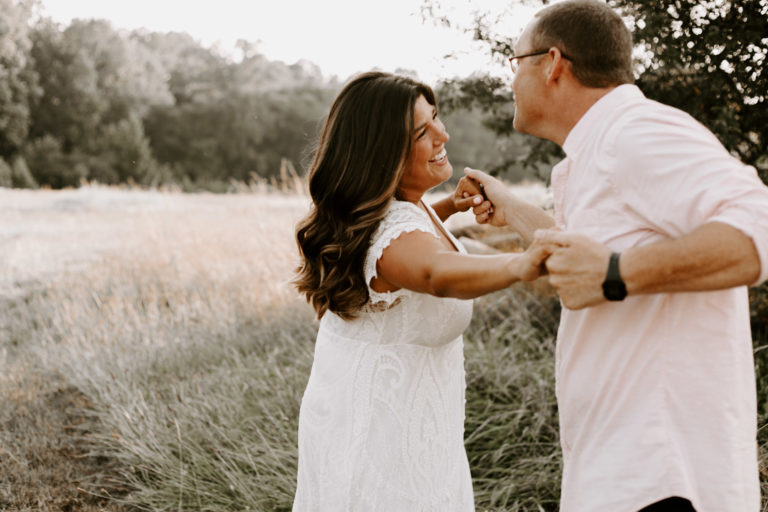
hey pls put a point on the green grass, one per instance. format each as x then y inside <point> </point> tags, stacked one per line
<point>511,418</point>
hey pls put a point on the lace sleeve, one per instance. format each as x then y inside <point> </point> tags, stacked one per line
<point>402,217</point>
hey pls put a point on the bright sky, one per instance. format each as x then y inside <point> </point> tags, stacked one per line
<point>341,36</point>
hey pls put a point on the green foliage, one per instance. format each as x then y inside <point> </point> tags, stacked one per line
<point>122,154</point>
<point>49,164</point>
<point>708,58</point>
<point>18,85</point>
<point>183,113</point>
<point>758,299</point>
<point>238,136</point>
<point>6,174</point>
<point>71,106</point>
<point>20,175</point>
<point>159,108</point>
<point>129,78</point>
<point>16,174</point>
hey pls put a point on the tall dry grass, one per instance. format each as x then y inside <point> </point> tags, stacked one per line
<point>173,315</point>
<point>154,356</point>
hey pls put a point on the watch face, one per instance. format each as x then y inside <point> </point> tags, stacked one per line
<point>614,290</point>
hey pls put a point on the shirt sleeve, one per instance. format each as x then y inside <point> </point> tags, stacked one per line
<point>676,175</point>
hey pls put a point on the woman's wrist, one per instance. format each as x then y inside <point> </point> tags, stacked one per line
<point>515,267</point>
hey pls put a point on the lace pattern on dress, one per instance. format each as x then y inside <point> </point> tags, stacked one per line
<point>402,217</point>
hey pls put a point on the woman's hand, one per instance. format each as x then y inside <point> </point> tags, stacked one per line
<point>465,196</point>
<point>468,194</point>
<point>469,188</point>
<point>532,264</point>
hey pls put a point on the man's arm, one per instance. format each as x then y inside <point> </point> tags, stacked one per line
<point>503,208</point>
<point>712,257</point>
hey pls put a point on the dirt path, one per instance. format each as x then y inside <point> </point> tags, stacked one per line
<point>44,454</point>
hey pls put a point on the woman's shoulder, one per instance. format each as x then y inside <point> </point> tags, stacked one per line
<point>400,217</point>
<point>402,213</point>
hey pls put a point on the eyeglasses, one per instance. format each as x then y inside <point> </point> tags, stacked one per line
<point>513,58</point>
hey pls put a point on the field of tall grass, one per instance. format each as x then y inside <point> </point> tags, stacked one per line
<point>154,356</point>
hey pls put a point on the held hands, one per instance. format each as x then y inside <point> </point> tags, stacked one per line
<point>466,195</point>
<point>532,263</point>
<point>490,211</point>
<point>577,266</point>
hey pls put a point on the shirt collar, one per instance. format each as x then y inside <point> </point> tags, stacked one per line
<point>583,129</point>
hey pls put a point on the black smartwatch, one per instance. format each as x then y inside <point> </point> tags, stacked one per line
<point>613,287</point>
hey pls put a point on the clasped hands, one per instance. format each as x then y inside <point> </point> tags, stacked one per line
<point>576,264</point>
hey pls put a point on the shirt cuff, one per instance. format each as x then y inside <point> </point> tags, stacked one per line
<point>756,228</point>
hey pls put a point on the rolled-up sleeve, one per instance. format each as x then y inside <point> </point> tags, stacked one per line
<point>749,214</point>
<point>680,177</point>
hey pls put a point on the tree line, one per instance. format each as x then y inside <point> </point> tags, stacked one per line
<point>88,101</point>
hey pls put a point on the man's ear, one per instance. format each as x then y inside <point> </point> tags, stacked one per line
<point>555,67</point>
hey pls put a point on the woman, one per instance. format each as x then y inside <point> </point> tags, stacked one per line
<point>382,418</point>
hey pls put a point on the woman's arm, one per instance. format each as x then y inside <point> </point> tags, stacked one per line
<point>420,262</point>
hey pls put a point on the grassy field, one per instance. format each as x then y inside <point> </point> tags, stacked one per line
<point>154,356</point>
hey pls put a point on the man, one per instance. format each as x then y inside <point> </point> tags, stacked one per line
<point>655,387</point>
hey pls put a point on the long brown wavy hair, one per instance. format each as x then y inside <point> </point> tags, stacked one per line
<point>355,172</point>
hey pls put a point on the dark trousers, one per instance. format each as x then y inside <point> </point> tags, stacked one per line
<point>674,504</point>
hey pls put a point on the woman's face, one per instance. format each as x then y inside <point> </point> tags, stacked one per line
<point>427,165</point>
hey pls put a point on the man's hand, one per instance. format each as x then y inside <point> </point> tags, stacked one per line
<point>577,267</point>
<point>491,210</point>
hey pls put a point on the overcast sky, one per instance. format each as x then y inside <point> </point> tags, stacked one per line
<point>341,36</point>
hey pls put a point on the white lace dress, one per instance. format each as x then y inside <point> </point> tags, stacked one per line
<point>381,426</point>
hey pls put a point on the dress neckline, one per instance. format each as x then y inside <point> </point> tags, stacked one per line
<point>439,224</point>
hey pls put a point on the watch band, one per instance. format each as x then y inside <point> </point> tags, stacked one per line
<point>614,288</point>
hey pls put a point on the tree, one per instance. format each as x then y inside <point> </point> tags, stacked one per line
<point>17,81</point>
<point>72,105</point>
<point>195,73</point>
<point>121,153</point>
<point>130,78</point>
<point>21,177</point>
<point>707,57</point>
<point>6,174</point>
<point>50,165</point>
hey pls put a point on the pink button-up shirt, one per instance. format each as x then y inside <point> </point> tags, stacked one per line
<point>656,394</point>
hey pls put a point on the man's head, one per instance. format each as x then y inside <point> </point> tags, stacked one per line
<point>594,37</point>
<point>582,49</point>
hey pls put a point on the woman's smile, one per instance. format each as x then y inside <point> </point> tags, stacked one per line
<point>440,159</point>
